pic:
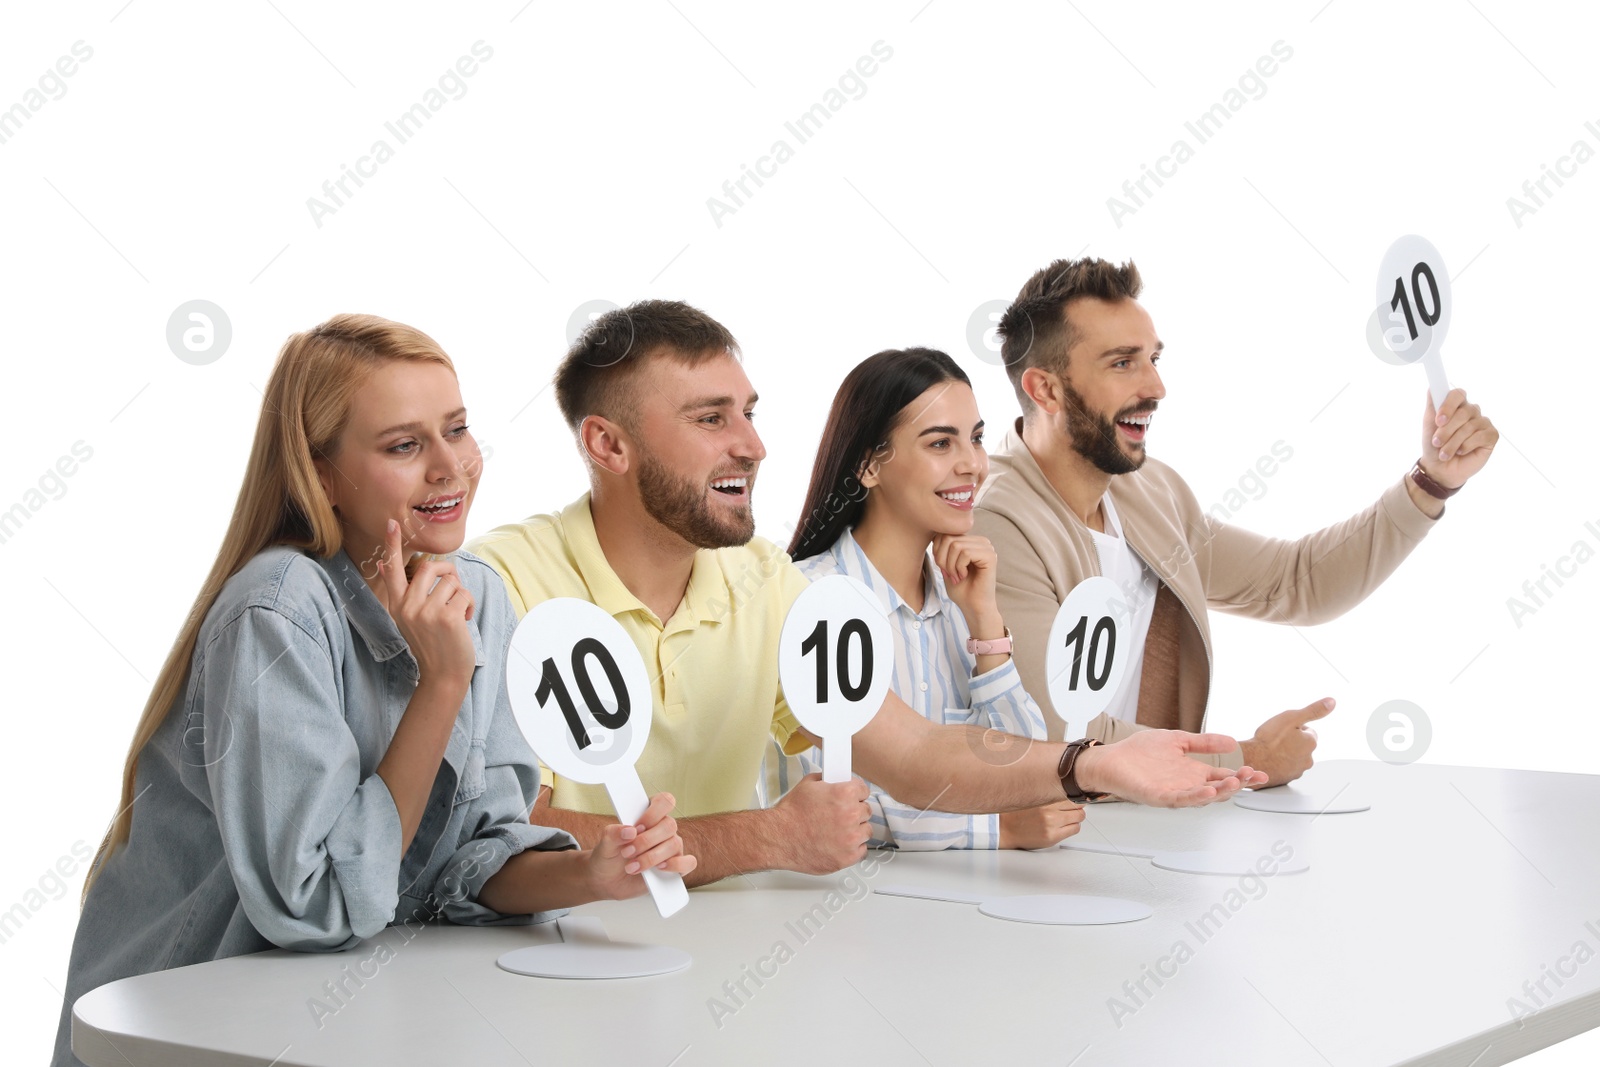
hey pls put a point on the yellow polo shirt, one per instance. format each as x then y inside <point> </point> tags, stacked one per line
<point>713,665</point>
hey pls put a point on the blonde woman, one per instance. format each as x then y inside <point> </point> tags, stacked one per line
<point>329,748</point>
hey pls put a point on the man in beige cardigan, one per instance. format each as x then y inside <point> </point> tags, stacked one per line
<point>1071,494</point>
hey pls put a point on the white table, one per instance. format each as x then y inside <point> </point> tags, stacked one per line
<point>1416,923</point>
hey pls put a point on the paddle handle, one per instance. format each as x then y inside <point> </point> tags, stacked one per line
<point>628,797</point>
<point>836,759</point>
<point>1438,384</point>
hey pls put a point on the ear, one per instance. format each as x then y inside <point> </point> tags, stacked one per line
<point>1043,388</point>
<point>325,476</point>
<point>605,443</point>
<point>867,470</point>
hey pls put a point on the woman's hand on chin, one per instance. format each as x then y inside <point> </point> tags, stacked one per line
<point>968,564</point>
<point>431,608</point>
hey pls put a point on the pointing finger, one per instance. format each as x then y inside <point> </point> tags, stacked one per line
<point>394,579</point>
<point>1315,710</point>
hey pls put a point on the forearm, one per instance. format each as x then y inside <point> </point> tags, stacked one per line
<point>582,825</point>
<point>1109,730</point>
<point>534,881</point>
<point>411,762</point>
<point>1320,576</point>
<point>735,842</point>
<point>966,769</point>
<point>725,844</point>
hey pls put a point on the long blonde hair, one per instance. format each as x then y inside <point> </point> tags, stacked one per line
<point>281,502</point>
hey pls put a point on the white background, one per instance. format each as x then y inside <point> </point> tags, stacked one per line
<point>577,166</point>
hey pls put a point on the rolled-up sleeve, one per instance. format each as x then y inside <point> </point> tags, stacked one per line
<point>314,849</point>
<point>498,824</point>
<point>1001,703</point>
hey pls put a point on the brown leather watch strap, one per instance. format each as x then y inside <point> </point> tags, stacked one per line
<point>1428,485</point>
<point>1067,771</point>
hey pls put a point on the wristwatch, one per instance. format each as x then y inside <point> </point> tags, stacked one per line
<point>1429,486</point>
<point>1000,646</point>
<point>1067,771</point>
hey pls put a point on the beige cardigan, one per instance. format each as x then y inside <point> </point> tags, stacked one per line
<point>1045,550</point>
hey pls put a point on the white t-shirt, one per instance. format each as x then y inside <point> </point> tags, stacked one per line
<point>1138,584</point>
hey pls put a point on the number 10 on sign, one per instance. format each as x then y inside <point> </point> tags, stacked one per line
<point>1088,651</point>
<point>581,695</point>
<point>1414,298</point>
<point>830,664</point>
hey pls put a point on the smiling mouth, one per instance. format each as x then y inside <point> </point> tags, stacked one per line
<point>1135,426</point>
<point>734,487</point>
<point>441,507</point>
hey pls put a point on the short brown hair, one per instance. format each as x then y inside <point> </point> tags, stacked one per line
<point>1034,331</point>
<point>591,379</point>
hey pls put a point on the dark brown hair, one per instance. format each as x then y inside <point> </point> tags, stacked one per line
<point>592,378</point>
<point>1034,331</point>
<point>866,410</point>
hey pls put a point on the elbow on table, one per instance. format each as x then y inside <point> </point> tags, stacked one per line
<point>332,924</point>
<point>333,941</point>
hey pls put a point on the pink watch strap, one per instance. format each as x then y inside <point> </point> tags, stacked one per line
<point>1000,646</point>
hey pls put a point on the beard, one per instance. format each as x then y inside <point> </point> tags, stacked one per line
<point>1095,437</point>
<point>681,506</point>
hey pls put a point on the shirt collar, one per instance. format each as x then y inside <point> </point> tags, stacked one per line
<point>853,561</point>
<point>704,600</point>
<point>1113,521</point>
<point>368,617</point>
<point>708,597</point>
<point>1020,458</point>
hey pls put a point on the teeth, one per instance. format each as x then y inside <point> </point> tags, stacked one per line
<point>730,483</point>
<point>443,505</point>
<point>1138,420</point>
<point>960,498</point>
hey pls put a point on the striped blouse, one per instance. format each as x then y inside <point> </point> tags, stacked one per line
<point>933,674</point>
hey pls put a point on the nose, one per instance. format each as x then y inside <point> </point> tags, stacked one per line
<point>980,464</point>
<point>448,463</point>
<point>1152,388</point>
<point>971,459</point>
<point>747,445</point>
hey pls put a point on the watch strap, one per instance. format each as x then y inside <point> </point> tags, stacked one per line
<point>1429,486</point>
<point>1000,646</point>
<point>1067,771</point>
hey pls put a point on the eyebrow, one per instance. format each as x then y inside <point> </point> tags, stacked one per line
<point>715,402</point>
<point>1132,350</point>
<point>413,427</point>
<point>951,430</point>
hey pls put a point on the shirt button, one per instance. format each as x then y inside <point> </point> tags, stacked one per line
<point>924,687</point>
<point>917,625</point>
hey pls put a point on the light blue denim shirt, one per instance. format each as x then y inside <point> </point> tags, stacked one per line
<point>259,819</point>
